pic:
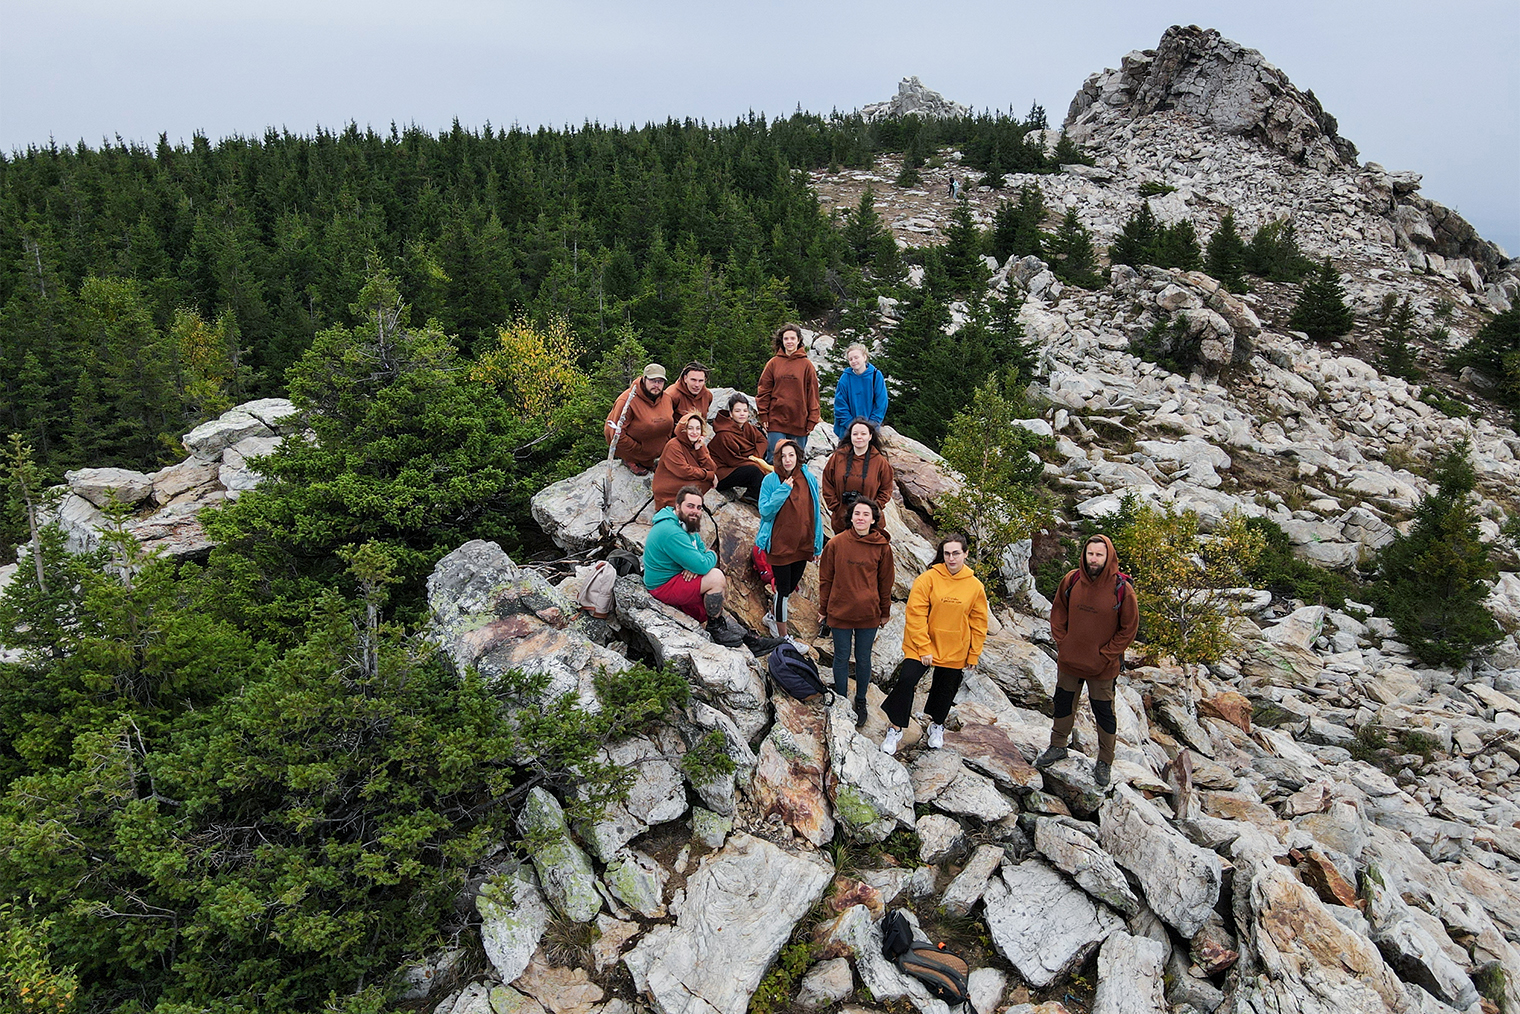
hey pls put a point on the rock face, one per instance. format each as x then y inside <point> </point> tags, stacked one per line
<point>913,98</point>
<point>871,792</point>
<point>1222,83</point>
<point>740,907</point>
<point>489,613</point>
<point>792,770</point>
<point>1181,881</point>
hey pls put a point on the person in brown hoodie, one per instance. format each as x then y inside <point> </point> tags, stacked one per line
<point>857,470</point>
<point>787,395</point>
<point>855,574</point>
<point>691,393</point>
<point>646,423</point>
<point>683,462</point>
<point>791,526</point>
<point>736,447</point>
<point>1093,618</point>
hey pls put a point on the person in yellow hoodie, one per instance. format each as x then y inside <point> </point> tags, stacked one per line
<point>945,626</point>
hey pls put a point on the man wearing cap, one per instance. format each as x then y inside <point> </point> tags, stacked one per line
<point>640,421</point>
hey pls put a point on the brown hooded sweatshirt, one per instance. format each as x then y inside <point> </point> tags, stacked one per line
<point>645,430</point>
<point>855,574</point>
<point>682,464</point>
<point>788,394</point>
<point>1092,626</point>
<point>869,474</point>
<point>733,445</point>
<point>683,404</point>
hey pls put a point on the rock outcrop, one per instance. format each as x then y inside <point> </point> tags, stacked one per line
<point>913,98</point>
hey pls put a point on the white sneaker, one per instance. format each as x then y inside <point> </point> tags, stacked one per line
<point>889,743</point>
<point>770,625</point>
<point>936,736</point>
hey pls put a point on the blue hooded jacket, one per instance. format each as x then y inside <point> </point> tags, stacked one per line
<point>859,395</point>
<point>774,493</point>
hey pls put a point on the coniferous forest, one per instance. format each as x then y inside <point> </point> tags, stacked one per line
<point>244,783</point>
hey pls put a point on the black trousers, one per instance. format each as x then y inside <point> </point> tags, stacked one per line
<point>899,703</point>
<point>748,476</point>
<point>788,578</point>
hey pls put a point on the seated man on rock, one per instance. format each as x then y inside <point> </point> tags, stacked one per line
<point>640,421</point>
<point>681,571</point>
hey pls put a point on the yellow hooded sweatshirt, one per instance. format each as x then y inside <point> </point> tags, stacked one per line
<point>946,617</point>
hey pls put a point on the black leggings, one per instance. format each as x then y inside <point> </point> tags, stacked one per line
<point>899,703</point>
<point>748,476</point>
<point>788,578</point>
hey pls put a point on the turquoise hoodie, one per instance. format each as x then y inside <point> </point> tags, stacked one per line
<point>773,493</point>
<point>670,549</point>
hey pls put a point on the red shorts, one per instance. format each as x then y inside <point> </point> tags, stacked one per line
<point>685,593</point>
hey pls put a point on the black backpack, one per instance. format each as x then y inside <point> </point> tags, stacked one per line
<point>944,973</point>
<point>795,673</point>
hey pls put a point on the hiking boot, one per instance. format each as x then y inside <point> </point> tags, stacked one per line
<point>860,714</point>
<point>762,646</point>
<point>1101,772</point>
<point>724,633</point>
<point>936,736</point>
<point>889,743</point>
<point>1050,756</point>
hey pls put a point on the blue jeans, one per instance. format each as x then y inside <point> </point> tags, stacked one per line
<point>863,638</point>
<point>775,437</point>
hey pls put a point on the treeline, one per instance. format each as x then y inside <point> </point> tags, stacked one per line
<point>143,289</point>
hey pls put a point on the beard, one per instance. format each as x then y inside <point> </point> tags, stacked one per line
<point>1095,572</point>
<point>693,523</point>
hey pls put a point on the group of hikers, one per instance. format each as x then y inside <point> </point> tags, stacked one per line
<point>652,428</point>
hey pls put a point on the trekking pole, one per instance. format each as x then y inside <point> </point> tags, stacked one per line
<point>605,528</point>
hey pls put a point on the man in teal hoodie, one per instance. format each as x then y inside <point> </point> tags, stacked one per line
<point>861,394</point>
<point>682,572</point>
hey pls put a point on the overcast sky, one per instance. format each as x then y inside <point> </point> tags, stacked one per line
<point>1416,85</point>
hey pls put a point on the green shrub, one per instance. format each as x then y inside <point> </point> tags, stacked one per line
<point>1285,575</point>
<point>1150,188</point>
<point>1273,253</point>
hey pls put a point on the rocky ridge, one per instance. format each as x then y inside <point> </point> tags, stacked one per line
<point>913,98</point>
<point>1247,859</point>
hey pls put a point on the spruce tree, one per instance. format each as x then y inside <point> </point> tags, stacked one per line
<point>1016,227</point>
<point>1273,253</point>
<point>963,253</point>
<point>1068,153</point>
<point>1393,339</point>
<point>1495,352</point>
<point>1136,242</point>
<point>1225,261</point>
<point>1036,119</point>
<point>862,229</point>
<point>1177,247</point>
<point>1321,311</point>
<point>1431,582</point>
<point>1078,262</point>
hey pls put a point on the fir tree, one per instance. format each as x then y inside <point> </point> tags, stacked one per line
<point>1273,253</point>
<point>1431,582</point>
<point>1016,227</point>
<point>1077,263</point>
<point>1136,242</point>
<point>1177,247</point>
<point>1495,352</point>
<point>1397,327</point>
<point>1225,261</point>
<point>1068,153</point>
<point>964,267</point>
<point>1321,311</point>
<point>1036,119</point>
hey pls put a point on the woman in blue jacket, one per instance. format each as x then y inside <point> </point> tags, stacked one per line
<point>791,526</point>
<point>862,392</point>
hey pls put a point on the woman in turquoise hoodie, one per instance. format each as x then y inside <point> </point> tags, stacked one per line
<point>861,393</point>
<point>791,525</point>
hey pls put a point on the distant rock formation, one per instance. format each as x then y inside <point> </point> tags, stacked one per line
<point>1224,84</point>
<point>913,97</point>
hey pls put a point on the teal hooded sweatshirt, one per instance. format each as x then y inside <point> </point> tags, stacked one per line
<point>670,549</point>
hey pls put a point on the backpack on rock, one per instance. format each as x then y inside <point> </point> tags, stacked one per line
<point>794,672</point>
<point>944,973</point>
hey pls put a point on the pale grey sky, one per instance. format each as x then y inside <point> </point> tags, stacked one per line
<point>1429,87</point>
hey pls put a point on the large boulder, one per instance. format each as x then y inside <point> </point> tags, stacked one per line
<point>1181,881</point>
<point>727,678</point>
<point>576,511</point>
<point>871,792</point>
<point>174,481</point>
<point>1076,854</point>
<point>209,439</point>
<point>792,770</point>
<point>99,485</point>
<point>1041,923</point>
<point>923,477</point>
<point>513,917</point>
<point>658,794</point>
<point>1130,976</point>
<point>489,613</point>
<point>564,870</point>
<point>857,932</point>
<point>739,908</point>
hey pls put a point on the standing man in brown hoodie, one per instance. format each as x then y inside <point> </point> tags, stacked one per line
<point>1093,618</point>
<point>640,421</point>
<point>787,395</point>
<point>691,393</point>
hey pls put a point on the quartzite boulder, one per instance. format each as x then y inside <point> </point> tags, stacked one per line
<point>98,485</point>
<point>1041,923</point>
<point>658,794</point>
<point>1077,855</point>
<point>1181,881</point>
<point>871,791</point>
<point>739,908</point>
<point>513,917</point>
<point>563,869</point>
<point>1130,976</point>
<point>792,770</point>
